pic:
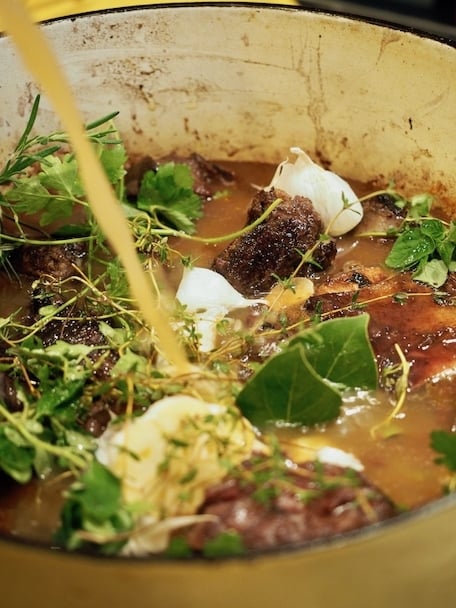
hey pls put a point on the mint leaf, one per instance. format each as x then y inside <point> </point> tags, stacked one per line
<point>168,193</point>
<point>410,247</point>
<point>444,442</point>
<point>433,273</point>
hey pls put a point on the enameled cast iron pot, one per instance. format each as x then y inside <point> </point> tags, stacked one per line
<point>247,82</point>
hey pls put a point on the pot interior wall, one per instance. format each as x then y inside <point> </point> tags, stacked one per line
<point>249,82</point>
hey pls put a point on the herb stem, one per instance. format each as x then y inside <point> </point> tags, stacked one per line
<point>61,452</point>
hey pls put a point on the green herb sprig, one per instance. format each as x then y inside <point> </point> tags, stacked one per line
<point>424,244</point>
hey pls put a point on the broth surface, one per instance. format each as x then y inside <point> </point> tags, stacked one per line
<point>402,466</point>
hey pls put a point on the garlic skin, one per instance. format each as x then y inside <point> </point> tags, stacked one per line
<point>136,450</point>
<point>324,188</point>
<point>209,297</point>
<point>341,458</point>
<point>166,459</point>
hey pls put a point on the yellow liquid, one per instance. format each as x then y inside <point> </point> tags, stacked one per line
<point>39,59</point>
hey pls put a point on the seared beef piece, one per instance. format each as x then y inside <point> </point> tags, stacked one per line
<point>82,331</point>
<point>401,312</point>
<point>314,501</point>
<point>252,262</point>
<point>57,261</point>
<point>381,214</point>
<point>74,331</point>
<point>208,177</point>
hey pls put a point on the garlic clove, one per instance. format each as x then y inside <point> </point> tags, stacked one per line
<point>204,289</point>
<point>325,189</point>
<point>136,450</point>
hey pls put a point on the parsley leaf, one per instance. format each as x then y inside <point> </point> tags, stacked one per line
<point>445,443</point>
<point>93,514</point>
<point>168,194</point>
<point>15,460</point>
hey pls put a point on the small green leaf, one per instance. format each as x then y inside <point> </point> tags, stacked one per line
<point>433,273</point>
<point>16,461</point>
<point>61,175</point>
<point>410,247</point>
<point>99,493</point>
<point>444,442</point>
<point>28,195</point>
<point>420,205</point>
<point>93,514</point>
<point>433,228</point>
<point>224,545</point>
<point>113,159</point>
<point>178,548</point>
<point>59,395</point>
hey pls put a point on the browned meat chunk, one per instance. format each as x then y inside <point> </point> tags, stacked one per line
<point>352,280</point>
<point>253,262</point>
<point>74,331</point>
<point>401,312</point>
<point>57,261</point>
<point>208,178</point>
<point>312,501</point>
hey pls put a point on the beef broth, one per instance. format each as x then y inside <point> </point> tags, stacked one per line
<point>401,464</point>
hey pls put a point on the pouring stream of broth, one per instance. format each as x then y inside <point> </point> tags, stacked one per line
<point>39,59</point>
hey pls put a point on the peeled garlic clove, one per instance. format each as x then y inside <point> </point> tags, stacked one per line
<point>210,297</point>
<point>325,189</point>
<point>203,289</point>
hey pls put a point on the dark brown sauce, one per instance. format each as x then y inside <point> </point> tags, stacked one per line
<point>402,466</point>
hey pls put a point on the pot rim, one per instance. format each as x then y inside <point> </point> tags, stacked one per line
<point>319,545</point>
<point>359,535</point>
<point>301,7</point>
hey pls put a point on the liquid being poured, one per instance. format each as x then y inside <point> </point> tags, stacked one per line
<point>40,61</point>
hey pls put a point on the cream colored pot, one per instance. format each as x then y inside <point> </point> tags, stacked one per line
<point>248,82</point>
